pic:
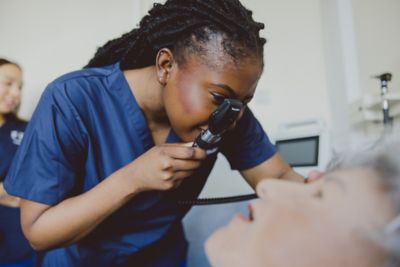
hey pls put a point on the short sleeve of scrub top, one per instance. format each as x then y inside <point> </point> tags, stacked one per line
<point>247,145</point>
<point>50,152</point>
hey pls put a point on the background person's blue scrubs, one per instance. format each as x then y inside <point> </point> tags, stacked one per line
<point>86,126</point>
<point>14,248</point>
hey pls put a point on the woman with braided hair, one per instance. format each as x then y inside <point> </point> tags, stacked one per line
<point>106,156</point>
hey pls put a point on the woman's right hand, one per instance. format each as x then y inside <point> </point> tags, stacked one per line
<point>163,167</point>
<point>160,168</point>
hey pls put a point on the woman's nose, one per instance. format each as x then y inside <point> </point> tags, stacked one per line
<point>15,91</point>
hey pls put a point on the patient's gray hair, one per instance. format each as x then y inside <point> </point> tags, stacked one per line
<point>384,158</point>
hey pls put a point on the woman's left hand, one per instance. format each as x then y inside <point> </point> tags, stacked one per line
<point>313,176</point>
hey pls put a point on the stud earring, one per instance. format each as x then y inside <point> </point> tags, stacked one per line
<point>161,80</point>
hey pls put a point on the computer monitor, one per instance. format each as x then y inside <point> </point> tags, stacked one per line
<point>299,152</point>
<point>304,145</point>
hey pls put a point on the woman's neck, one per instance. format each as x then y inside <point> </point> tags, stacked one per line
<point>148,93</point>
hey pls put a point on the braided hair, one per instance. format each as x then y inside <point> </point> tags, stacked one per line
<point>184,26</point>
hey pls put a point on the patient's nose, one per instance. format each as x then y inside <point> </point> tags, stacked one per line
<point>274,188</point>
<point>267,188</point>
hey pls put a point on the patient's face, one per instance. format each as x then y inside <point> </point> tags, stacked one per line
<point>321,224</point>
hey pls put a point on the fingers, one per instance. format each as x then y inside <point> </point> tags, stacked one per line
<point>183,152</point>
<point>184,165</point>
<point>180,175</point>
<point>164,167</point>
<point>178,170</point>
<point>314,175</point>
<point>174,179</point>
<point>177,180</point>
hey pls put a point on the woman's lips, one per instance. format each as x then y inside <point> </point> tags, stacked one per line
<point>10,104</point>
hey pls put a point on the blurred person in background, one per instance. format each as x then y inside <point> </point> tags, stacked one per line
<point>14,248</point>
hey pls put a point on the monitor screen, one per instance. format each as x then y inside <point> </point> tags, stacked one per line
<point>299,152</point>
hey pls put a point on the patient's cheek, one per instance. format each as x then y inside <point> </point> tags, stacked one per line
<point>213,248</point>
<point>221,253</point>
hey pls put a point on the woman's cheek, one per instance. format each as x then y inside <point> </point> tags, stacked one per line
<point>192,100</point>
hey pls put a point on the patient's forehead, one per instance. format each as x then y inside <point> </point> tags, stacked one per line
<point>353,177</point>
<point>365,194</point>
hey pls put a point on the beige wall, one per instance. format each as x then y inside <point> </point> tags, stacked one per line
<point>377,25</point>
<point>52,37</point>
<point>293,86</point>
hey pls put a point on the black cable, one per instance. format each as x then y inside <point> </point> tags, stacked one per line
<point>216,200</point>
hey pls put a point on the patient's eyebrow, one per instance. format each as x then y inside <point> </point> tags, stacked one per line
<point>329,178</point>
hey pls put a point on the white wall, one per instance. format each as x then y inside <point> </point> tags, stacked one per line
<point>293,86</point>
<point>361,40</point>
<point>377,25</point>
<point>51,37</point>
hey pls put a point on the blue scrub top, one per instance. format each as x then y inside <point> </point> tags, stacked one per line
<point>86,126</point>
<point>13,245</point>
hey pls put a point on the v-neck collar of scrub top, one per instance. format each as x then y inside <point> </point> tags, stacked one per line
<point>139,123</point>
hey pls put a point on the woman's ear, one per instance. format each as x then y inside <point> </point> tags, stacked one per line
<point>164,63</point>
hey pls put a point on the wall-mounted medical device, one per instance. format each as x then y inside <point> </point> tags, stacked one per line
<point>374,106</point>
<point>304,145</point>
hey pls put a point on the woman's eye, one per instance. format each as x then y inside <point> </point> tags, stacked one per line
<point>218,98</point>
